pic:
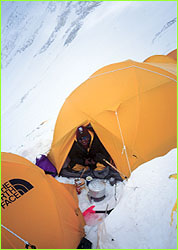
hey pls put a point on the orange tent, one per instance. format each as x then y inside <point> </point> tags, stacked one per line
<point>132,108</point>
<point>37,208</point>
<point>165,62</point>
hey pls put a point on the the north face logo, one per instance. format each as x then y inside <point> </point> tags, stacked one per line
<point>13,190</point>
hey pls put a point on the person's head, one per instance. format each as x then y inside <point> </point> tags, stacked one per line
<point>83,136</point>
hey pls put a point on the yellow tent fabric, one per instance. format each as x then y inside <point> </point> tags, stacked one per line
<point>165,62</point>
<point>37,208</point>
<point>132,108</point>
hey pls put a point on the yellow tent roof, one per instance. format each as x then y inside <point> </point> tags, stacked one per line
<point>36,207</point>
<point>165,62</point>
<point>132,108</point>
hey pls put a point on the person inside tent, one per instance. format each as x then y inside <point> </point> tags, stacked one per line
<point>89,156</point>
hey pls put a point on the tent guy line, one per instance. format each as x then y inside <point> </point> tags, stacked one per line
<point>133,66</point>
<point>26,242</point>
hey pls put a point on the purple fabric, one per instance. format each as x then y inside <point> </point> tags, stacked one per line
<point>44,163</point>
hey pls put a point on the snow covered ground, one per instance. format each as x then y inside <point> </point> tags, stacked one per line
<point>144,217</point>
<point>47,50</point>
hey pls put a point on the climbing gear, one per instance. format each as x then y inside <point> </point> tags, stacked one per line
<point>91,211</point>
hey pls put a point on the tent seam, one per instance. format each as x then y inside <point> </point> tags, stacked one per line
<point>133,66</point>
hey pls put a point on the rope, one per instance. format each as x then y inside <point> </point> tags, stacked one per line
<point>124,147</point>
<point>26,242</point>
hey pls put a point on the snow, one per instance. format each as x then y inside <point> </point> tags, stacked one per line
<point>50,48</point>
<point>144,210</point>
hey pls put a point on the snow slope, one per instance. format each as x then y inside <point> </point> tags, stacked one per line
<point>48,48</point>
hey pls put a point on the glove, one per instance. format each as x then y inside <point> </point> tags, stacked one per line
<point>90,163</point>
<point>87,162</point>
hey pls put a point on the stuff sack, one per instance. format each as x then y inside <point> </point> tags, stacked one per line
<point>44,163</point>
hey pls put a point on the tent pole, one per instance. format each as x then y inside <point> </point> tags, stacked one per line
<point>124,147</point>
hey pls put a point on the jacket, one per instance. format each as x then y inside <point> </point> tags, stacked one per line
<point>96,151</point>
